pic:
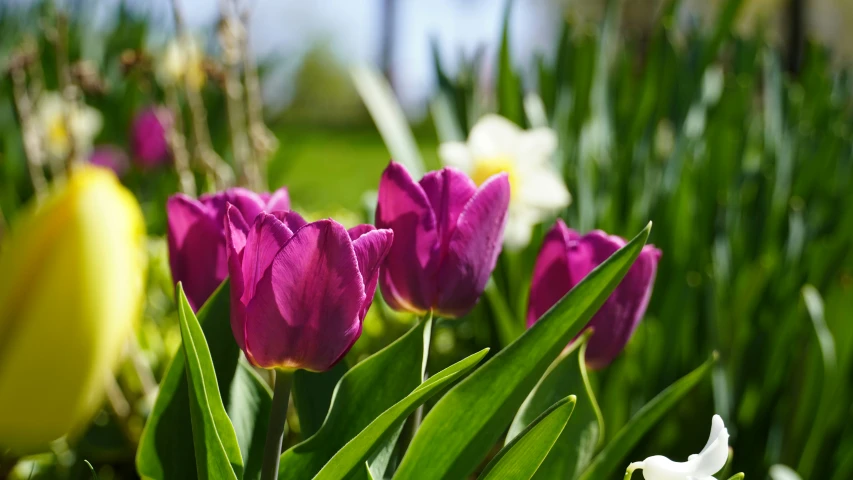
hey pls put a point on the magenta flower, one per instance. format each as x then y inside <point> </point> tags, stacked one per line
<point>112,157</point>
<point>565,259</point>
<point>300,291</point>
<point>148,137</point>
<point>197,237</point>
<point>448,236</point>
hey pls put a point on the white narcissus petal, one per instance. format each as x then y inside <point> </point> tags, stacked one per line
<point>86,122</point>
<point>544,189</point>
<point>497,145</point>
<point>700,466</point>
<point>493,137</point>
<point>456,154</point>
<point>536,146</point>
<point>519,225</point>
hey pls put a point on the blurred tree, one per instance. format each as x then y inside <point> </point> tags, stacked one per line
<point>323,92</point>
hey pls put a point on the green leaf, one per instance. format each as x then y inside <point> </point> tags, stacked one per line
<point>368,389</point>
<point>249,410</point>
<point>357,451</point>
<point>217,453</point>
<point>522,457</point>
<point>167,439</point>
<point>389,118</point>
<point>508,328</point>
<point>579,440</point>
<point>826,342</point>
<point>91,469</point>
<point>508,83</point>
<point>614,452</point>
<point>466,422</point>
<point>723,27</point>
<point>312,395</point>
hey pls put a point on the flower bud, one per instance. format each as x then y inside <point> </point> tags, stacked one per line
<point>565,259</point>
<point>149,139</point>
<point>300,292</point>
<point>448,235</point>
<point>72,285</point>
<point>110,156</point>
<point>197,238</point>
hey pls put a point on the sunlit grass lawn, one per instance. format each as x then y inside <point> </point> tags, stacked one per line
<point>327,169</point>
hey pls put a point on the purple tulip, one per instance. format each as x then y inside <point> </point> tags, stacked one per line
<point>448,237</point>
<point>148,137</point>
<point>197,237</point>
<point>112,157</point>
<point>300,291</point>
<point>565,259</point>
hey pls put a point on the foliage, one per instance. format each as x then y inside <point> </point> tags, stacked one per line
<point>745,170</point>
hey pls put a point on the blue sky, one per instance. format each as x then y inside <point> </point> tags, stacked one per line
<point>288,28</point>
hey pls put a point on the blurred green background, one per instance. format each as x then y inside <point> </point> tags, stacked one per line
<point>726,123</point>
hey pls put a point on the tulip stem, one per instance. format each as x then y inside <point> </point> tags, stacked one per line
<point>418,416</point>
<point>275,429</point>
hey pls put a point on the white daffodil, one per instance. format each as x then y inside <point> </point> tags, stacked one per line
<point>64,124</point>
<point>497,145</point>
<point>700,466</point>
<point>182,60</point>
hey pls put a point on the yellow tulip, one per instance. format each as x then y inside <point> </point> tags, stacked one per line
<point>71,284</point>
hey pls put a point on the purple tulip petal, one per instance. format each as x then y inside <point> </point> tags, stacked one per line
<point>448,191</point>
<point>149,138</point>
<point>551,277</point>
<point>407,276</point>
<point>370,249</point>
<point>112,157</point>
<point>473,249</point>
<point>192,228</point>
<point>182,212</point>
<point>278,201</point>
<point>311,318</point>
<point>293,220</point>
<point>617,319</point>
<point>360,230</point>
<point>236,233</point>
<point>266,237</point>
<point>565,259</point>
<point>249,203</point>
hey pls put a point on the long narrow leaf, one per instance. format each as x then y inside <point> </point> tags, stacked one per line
<point>356,452</point>
<point>523,456</point>
<point>217,453</point>
<point>611,458</point>
<point>389,118</point>
<point>579,440</point>
<point>167,439</point>
<point>365,392</point>
<point>464,425</point>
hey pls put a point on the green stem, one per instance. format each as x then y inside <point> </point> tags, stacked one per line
<point>418,416</point>
<point>275,429</point>
<point>631,468</point>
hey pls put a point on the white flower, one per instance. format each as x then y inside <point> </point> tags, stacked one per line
<point>63,124</point>
<point>497,145</point>
<point>700,466</point>
<point>182,60</point>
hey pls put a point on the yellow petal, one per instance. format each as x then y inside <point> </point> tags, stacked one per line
<point>71,289</point>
